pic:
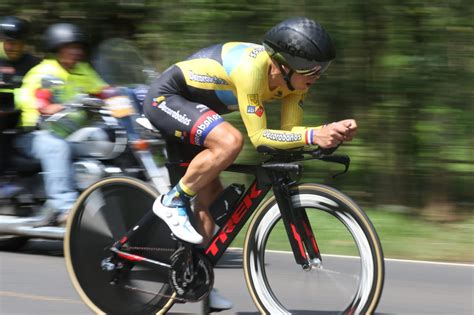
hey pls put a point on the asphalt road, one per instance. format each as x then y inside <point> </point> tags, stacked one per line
<point>35,281</point>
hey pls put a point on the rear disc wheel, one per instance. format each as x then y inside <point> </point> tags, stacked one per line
<point>101,216</point>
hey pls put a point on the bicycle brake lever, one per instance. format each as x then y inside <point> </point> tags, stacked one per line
<point>339,159</point>
<point>325,151</point>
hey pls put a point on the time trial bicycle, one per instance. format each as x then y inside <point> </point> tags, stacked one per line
<point>308,247</point>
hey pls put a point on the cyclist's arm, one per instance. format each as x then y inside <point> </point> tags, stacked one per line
<point>254,118</point>
<point>292,117</point>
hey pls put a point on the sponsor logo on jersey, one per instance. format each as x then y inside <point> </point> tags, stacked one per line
<point>254,106</point>
<point>254,52</point>
<point>257,110</point>
<point>205,78</point>
<point>157,100</point>
<point>201,108</point>
<point>253,99</point>
<point>281,137</point>
<point>182,118</point>
<point>203,126</point>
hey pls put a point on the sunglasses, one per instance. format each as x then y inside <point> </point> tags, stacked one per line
<point>317,70</point>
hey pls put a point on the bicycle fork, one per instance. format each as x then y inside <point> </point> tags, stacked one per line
<point>300,232</point>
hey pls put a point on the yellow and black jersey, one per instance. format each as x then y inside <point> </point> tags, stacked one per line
<point>228,77</point>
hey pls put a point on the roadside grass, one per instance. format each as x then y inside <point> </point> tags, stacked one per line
<point>409,237</point>
<point>402,236</point>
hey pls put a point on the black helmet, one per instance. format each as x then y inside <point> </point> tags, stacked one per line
<point>62,33</point>
<point>14,28</point>
<point>300,44</point>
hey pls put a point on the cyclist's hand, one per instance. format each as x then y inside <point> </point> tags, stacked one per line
<point>330,136</point>
<point>352,128</point>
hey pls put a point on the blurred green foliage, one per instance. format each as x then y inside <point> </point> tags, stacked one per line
<point>404,71</point>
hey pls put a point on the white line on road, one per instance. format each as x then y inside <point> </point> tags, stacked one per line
<point>37,297</point>
<point>386,259</point>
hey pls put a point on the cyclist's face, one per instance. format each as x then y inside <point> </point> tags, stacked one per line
<point>69,55</point>
<point>303,82</point>
<point>13,48</point>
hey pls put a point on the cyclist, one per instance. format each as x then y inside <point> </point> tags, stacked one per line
<point>186,103</point>
<point>45,89</point>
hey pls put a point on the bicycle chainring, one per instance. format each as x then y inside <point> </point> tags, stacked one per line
<point>191,275</point>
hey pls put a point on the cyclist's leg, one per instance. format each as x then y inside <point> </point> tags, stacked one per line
<point>196,124</point>
<point>223,144</point>
<point>202,202</point>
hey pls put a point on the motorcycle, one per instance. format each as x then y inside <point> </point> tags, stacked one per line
<point>112,143</point>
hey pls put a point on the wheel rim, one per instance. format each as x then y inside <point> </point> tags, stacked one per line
<point>356,280</point>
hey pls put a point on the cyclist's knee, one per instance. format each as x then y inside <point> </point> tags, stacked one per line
<point>233,142</point>
<point>228,142</point>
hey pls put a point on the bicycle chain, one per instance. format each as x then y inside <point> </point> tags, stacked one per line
<point>150,249</point>
<point>129,287</point>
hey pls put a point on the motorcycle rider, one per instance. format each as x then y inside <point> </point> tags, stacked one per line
<point>45,90</point>
<point>15,62</point>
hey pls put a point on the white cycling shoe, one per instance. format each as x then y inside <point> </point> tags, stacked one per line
<point>178,221</point>
<point>218,303</point>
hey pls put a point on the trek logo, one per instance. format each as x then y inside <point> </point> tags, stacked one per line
<point>234,220</point>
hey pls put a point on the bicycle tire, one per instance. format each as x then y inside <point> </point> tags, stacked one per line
<point>100,217</point>
<point>276,288</point>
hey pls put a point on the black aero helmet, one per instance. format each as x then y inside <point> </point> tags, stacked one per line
<point>14,28</point>
<point>61,34</point>
<point>301,44</point>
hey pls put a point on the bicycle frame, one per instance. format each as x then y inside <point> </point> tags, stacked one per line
<point>267,177</point>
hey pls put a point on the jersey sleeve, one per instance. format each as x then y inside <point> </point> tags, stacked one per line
<point>248,86</point>
<point>292,111</point>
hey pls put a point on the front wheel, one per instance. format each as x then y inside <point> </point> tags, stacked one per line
<point>348,279</point>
